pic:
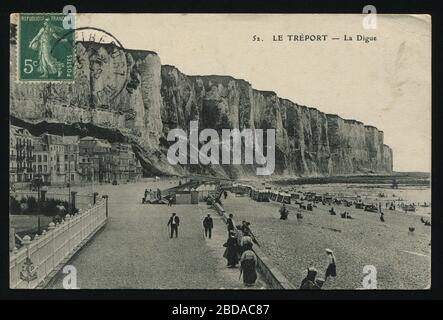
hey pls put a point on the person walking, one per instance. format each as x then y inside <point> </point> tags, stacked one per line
<point>231,252</point>
<point>248,265</point>
<point>208,224</point>
<point>174,222</point>
<point>331,269</point>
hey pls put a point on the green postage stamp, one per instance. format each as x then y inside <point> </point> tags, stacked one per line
<point>46,47</point>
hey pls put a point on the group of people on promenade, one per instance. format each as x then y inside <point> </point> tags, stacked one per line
<point>238,245</point>
<point>239,250</point>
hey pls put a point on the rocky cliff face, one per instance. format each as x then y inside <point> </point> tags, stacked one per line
<point>147,99</point>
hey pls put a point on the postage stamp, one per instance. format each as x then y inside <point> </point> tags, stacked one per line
<point>46,48</point>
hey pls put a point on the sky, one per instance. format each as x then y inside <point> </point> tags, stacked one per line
<point>385,83</point>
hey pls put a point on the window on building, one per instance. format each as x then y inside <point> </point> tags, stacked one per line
<point>66,157</point>
<point>72,157</point>
<point>45,158</point>
<point>66,167</point>
<point>39,169</point>
<point>39,157</point>
<point>45,168</point>
<point>72,177</point>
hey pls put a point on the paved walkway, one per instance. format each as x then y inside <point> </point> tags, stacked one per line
<point>134,250</point>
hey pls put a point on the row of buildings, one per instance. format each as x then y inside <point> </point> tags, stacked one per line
<point>69,159</point>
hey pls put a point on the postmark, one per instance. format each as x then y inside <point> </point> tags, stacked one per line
<point>103,58</point>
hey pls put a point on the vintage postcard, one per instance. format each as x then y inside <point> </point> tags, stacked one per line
<point>220,151</point>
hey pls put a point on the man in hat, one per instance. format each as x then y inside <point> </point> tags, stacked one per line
<point>174,222</point>
<point>208,225</point>
<point>331,269</point>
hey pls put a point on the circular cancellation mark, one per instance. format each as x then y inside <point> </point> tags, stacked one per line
<point>107,60</point>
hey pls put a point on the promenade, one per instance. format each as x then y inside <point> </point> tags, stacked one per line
<point>134,250</point>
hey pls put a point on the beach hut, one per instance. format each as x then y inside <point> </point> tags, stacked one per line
<point>295,196</point>
<point>204,190</point>
<point>284,197</point>
<point>186,196</point>
<point>273,195</point>
<point>263,195</point>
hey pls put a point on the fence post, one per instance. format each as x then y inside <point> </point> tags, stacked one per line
<point>106,199</point>
<point>25,274</point>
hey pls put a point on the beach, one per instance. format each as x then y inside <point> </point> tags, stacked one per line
<point>401,258</point>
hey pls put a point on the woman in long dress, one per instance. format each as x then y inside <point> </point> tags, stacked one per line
<point>231,252</point>
<point>248,264</point>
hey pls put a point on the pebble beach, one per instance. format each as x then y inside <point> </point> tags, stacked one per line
<point>401,258</point>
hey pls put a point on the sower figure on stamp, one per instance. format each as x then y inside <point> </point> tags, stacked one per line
<point>174,222</point>
<point>208,225</point>
<point>42,43</point>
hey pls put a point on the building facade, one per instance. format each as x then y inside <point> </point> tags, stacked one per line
<point>96,159</point>
<point>59,160</point>
<point>126,166</point>
<point>56,150</point>
<point>21,154</point>
<point>72,159</point>
<point>42,164</point>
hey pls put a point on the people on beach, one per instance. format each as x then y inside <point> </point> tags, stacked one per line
<point>225,194</point>
<point>284,212</point>
<point>299,216</point>
<point>170,201</point>
<point>208,225</point>
<point>231,251</point>
<point>331,269</point>
<point>332,211</point>
<point>310,282</point>
<point>346,215</point>
<point>248,265</point>
<point>173,223</point>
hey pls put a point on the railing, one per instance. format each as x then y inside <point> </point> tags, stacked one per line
<point>38,258</point>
